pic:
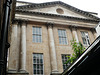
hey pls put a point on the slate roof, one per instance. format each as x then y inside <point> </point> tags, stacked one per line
<point>47,4</point>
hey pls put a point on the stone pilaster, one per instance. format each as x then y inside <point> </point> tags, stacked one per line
<point>52,49</point>
<point>23,46</point>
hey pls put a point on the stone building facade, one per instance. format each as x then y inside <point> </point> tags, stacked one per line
<point>41,35</point>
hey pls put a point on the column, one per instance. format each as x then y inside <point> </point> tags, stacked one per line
<point>23,46</point>
<point>52,49</point>
<point>18,46</point>
<point>13,56</point>
<point>74,33</point>
<point>94,32</point>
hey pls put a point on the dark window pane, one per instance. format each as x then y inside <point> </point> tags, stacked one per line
<point>34,57</point>
<point>62,57</point>
<point>37,60</point>
<point>84,41</point>
<point>41,66</point>
<point>37,66</point>
<point>41,61</point>
<point>34,71</point>
<point>38,72</point>
<point>41,71</point>
<point>63,66</point>
<point>88,42</point>
<point>65,58</point>
<point>34,66</point>
<point>34,60</point>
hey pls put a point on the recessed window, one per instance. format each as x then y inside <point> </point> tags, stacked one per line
<point>62,36</point>
<point>65,57</point>
<point>38,64</point>
<point>60,11</point>
<point>37,34</point>
<point>85,38</point>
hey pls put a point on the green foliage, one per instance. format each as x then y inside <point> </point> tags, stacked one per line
<point>78,49</point>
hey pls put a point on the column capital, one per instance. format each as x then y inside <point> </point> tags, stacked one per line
<point>24,23</point>
<point>49,25</point>
<point>19,22</point>
<point>93,30</point>
<point>15,22</point>
<point>73,27</point>
<point>74,32</point>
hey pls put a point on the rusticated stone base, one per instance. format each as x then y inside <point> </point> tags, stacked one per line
<point>14,72</point>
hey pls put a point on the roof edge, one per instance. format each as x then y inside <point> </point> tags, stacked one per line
<point>72,8</point>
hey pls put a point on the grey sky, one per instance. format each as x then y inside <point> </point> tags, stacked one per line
<point>86,5</point>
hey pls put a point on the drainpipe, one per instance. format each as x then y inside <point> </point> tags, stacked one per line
<point>4,45</point>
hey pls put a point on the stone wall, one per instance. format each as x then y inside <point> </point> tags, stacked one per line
<point>44,47</point>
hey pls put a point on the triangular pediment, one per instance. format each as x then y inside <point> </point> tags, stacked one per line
<point>57,8</point>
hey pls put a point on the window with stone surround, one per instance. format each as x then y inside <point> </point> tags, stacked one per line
<point>65,57</point>
<point>62,36</point>
<point>85,38</point>
<point>37,34</point>
<point>38,66</point>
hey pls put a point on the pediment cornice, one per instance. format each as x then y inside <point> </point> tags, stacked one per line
<point>47,4</point>
<point>54,15</point>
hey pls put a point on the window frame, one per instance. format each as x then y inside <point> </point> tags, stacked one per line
<point>38,64</point>
<point>63,37</point>
<point>64,60</point>
<point>87,43</point>
<point>35,34</point>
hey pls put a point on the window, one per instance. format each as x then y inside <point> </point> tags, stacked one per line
<point>38,64</point>
<point>62,36</point>
<point>85,38</point>
<point>37,34</point>
<point>64,59</point>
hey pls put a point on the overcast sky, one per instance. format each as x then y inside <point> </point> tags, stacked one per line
<point>86,5</point>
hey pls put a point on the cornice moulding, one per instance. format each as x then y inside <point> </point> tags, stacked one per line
<point>53,15</point>
<point>55,21</point>
<point>47,4</point>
